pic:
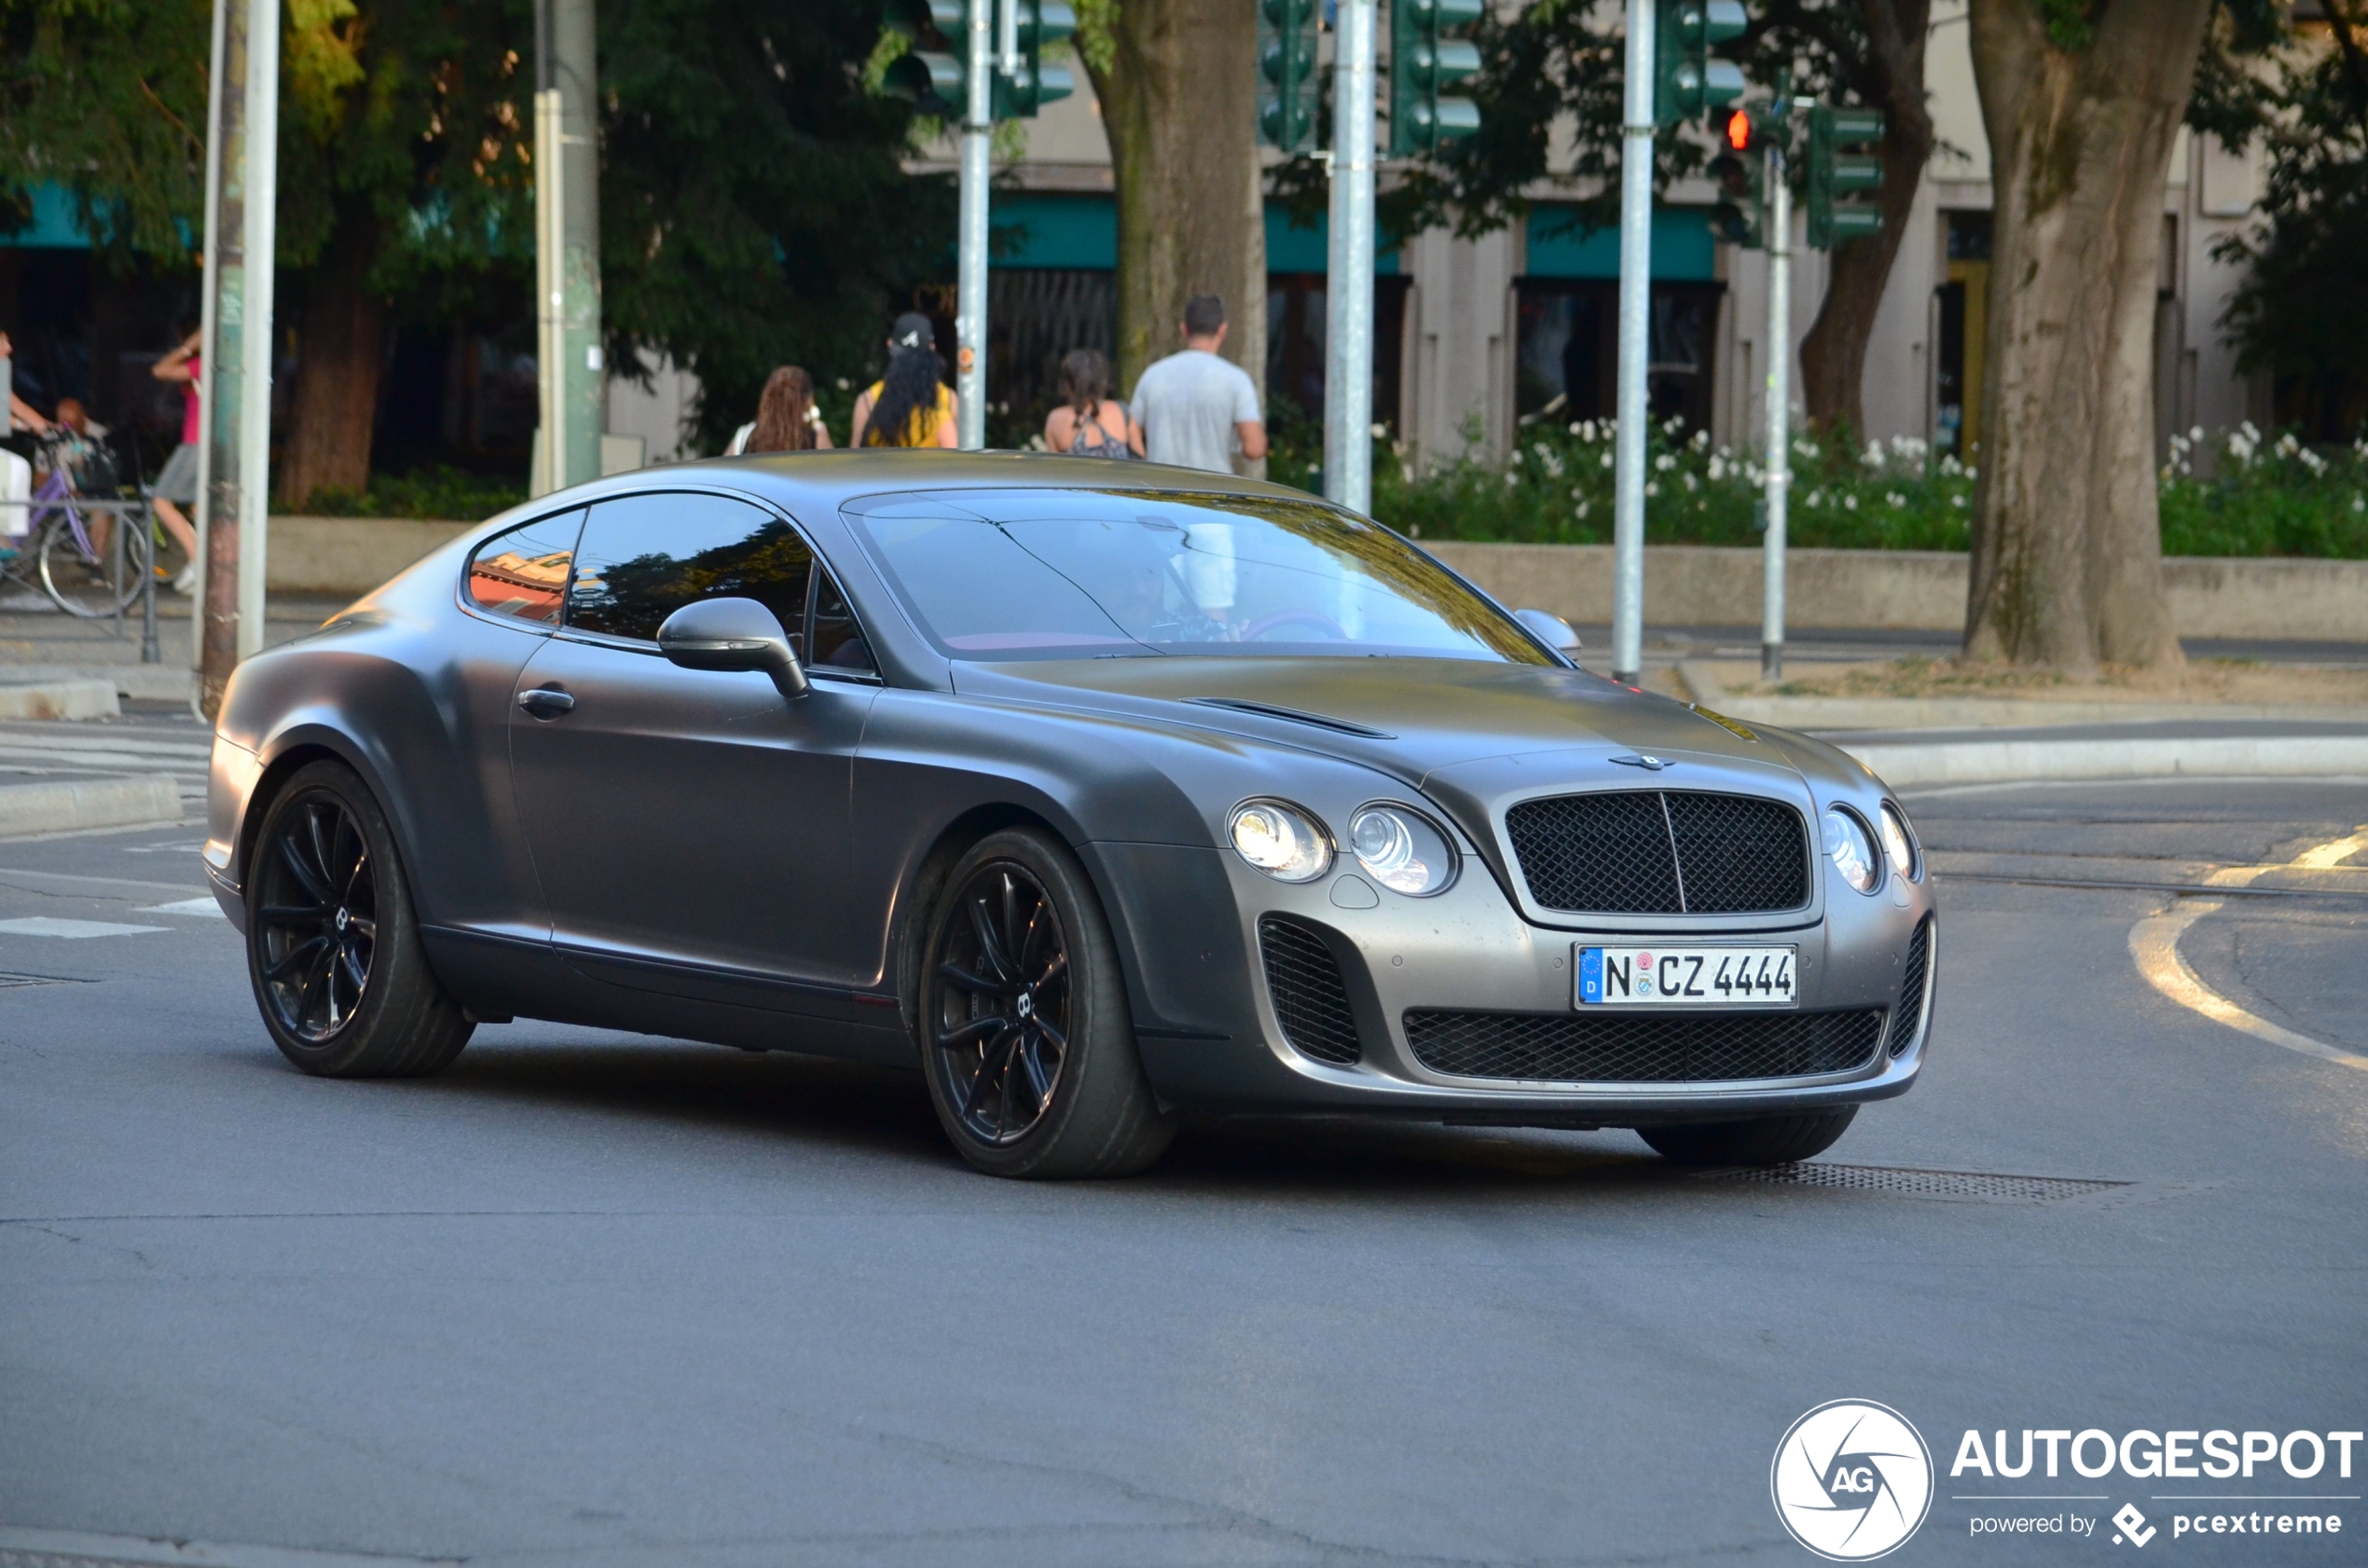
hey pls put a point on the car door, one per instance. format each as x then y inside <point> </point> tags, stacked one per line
<point>690,828</point>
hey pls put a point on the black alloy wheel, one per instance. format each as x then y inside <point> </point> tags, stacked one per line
<point>318,923</point>
<point>1026,1037</point>
<point>333,944</point>
<point>1001,1014</point>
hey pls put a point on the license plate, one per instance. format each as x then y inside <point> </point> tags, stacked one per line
<point>1682,976</point>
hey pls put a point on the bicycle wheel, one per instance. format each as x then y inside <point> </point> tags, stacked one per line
<point>94,583</point>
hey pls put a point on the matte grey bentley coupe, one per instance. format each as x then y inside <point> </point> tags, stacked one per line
<point>1101,793</point>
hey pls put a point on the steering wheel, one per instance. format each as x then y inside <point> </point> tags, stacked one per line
<point>1268,623</point>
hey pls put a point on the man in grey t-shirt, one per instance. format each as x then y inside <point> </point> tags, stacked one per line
<point>1195,408</point>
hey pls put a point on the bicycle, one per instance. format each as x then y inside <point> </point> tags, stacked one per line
<point>90,580</point>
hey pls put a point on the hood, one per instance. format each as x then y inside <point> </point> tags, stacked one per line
<point>1411,717</point>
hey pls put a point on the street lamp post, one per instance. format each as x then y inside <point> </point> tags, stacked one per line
<point>969,308</point>
<point>1348,372</point>
<point>1635,347</point>
<point>1778,469</point>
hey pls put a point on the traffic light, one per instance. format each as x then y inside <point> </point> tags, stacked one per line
<point>932,79</point>
<point>1042,22</point>
<point>1422,59</point>
<point>1687,81</point>
<point>1737,218</point>
<point>1287,82</point>
<point>936,79</point>
<point>1832,173</point>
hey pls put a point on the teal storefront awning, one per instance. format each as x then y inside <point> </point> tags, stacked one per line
<point>1683,250</point>
<point>55,222</point>
<point>1048,229</point>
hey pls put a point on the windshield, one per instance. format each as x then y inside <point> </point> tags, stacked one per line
<point>1020,574</point>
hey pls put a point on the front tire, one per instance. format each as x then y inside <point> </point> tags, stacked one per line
<point>1025,1034</point>
<point>333,942</point>
<point>1768,1140</point>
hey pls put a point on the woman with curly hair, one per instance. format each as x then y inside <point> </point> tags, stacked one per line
<point>786,418</point>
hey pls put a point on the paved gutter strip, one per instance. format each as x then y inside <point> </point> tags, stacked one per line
<point>90,803</point>
<point>1905,766</point>
<point>83,698</point>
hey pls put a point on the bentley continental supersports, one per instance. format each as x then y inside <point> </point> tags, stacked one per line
<point>1101,793</point>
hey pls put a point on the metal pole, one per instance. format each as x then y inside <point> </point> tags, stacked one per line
<point>149,653</point>
<point>254,387</point>
<point>1348,336</point>
<point>1636,348</point>
<point>969,308</point>
<point>550,292</point>
<point>1778,477</point>
<point>583,379</point>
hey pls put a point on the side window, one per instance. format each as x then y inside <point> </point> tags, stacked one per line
<point>838,641</point>
<point>644,557</point>
<point>521,573</point>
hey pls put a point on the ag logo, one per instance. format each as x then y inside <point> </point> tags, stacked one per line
<point>1852,1480</point>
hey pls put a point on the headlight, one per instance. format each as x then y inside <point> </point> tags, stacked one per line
<point>1853,853</point>
<point>1282,841</point>
<point>1399,850</point>
<point>1897,844</point>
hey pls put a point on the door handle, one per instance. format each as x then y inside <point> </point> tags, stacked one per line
<point>546,702</point>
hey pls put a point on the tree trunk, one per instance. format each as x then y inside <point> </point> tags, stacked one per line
<point>1833,357</point>
<point>340,352</point>
<point>2066,561</point>
<point>1178,104</point>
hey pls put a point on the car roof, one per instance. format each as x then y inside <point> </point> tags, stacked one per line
<point>837,477</point>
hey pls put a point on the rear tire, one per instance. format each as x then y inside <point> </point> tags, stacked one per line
<point>333,942</point>
<point>1024,1029</point>
<point>1768,1140</point>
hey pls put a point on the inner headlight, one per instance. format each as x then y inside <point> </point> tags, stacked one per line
<point>1853,853</point>
<point>1399,850</point>
<point>1282,841</point>
<point>1897,844</point>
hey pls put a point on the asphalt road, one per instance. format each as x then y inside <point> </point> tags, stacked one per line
<point>602,1299</point>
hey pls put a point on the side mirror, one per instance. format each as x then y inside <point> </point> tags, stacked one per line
<point>732,633</point>
<point>1552,630</point>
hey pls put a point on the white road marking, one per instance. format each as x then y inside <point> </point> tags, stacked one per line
<point>72,931</point>
<point>205,906</point>
<point>2154,944</point>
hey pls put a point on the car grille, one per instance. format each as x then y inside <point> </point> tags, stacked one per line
<point>1660,852</point>
<point>1310,998</point>
<point>1631,1048</point>
<point>1909,1016</point>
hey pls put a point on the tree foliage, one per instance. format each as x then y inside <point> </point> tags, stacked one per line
<point>2301,312</point>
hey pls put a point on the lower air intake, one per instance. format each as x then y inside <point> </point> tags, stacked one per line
<point>1909,1017</point>
<point>1310,998</point>
<point>1689,1047</point>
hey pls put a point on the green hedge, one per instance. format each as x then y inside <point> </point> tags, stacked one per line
<point>2264,498</point>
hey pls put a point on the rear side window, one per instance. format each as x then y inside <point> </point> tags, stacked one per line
<point>838,641</point>
<point>644,557</point>
<point>522,572</point>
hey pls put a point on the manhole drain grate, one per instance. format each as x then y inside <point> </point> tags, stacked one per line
<point>1960,1186</point>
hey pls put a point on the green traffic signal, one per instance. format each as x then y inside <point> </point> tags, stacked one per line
<point>936,80</point>
<point>1423,60</point>
<point>1686,80</point>
<point>1834,173</point>
<point>1287,79</point>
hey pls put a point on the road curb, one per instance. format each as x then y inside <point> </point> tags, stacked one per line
<point>1907,765</point>
<point>80,698</point>
<point>1952,713</point>
<point>88,803</point>
<point>165,683</point>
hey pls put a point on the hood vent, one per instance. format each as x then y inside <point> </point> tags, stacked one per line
<point>1267,710</point>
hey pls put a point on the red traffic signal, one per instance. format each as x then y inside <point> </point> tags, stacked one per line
<point>1739,130</point>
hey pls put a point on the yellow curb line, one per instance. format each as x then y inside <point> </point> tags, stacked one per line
<point>2154,944</point>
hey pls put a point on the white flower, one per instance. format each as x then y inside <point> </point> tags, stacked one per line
<point>1511,481</point>
<point>1692,484</point>
<point>2197,434</point>
<point>2359,504</point>
<point>1970,474</point>
<point>1702,439</point>
<point>1805,446</point>
<point>1717,468</point>
<point>1851,501</point>
<point>1651,489</point>
<point>1607,459</point>
<point>1894,498</point>
<point>2313,462</point>
<point>1958,500</point>
<point>1576,429</point>
<point>1873,457</point>
<point>1814,497</point>
<point>1515,458</point>
<point>1664,462</point>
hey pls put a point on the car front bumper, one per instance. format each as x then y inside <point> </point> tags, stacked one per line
<point>1212,1039</point>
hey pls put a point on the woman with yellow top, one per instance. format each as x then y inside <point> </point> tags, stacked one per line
<point>911,406</point>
